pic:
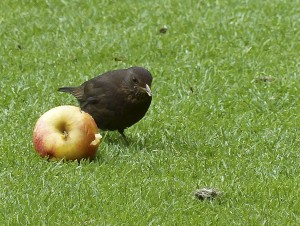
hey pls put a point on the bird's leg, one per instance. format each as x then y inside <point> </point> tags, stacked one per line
<point>121,131</point>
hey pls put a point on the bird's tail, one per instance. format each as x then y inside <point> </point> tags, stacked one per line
<point>75,91</point>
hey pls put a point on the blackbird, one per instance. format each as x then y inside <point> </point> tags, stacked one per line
<point>116,99</point>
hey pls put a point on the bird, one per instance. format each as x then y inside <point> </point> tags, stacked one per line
<point>116,99</point>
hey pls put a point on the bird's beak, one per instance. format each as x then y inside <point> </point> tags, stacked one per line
<point>148,90</point>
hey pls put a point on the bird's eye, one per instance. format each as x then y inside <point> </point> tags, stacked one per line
<point>134,80</point>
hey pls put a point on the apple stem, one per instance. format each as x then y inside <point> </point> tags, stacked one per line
<point>66,134</point>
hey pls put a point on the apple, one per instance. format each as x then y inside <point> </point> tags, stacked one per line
<point>66,132</point>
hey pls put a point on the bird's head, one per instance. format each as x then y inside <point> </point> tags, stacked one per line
<point>140,80</point>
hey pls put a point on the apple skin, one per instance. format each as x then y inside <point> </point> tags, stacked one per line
<point>66,132</point>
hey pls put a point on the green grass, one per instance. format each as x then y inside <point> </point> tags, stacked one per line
<point>214,121</point>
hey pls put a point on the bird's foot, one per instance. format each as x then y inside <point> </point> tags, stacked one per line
<point>124,137</point>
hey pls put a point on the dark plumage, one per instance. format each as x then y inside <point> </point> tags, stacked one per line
<point>117,99</point>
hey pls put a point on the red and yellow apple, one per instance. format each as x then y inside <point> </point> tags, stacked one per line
<point>66,132</point>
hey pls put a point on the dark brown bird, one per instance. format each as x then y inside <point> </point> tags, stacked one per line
<point>116,99</point>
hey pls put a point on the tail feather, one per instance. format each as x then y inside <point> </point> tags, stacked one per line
<point>75,91</point>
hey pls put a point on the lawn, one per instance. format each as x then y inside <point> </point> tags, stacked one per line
<point>224,115</point>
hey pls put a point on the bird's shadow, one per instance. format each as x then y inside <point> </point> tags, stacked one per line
<point>135,142</point>
<point>130,145</point>
<point>110,138</point>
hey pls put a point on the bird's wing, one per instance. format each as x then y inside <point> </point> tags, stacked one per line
<point>104,91</point>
